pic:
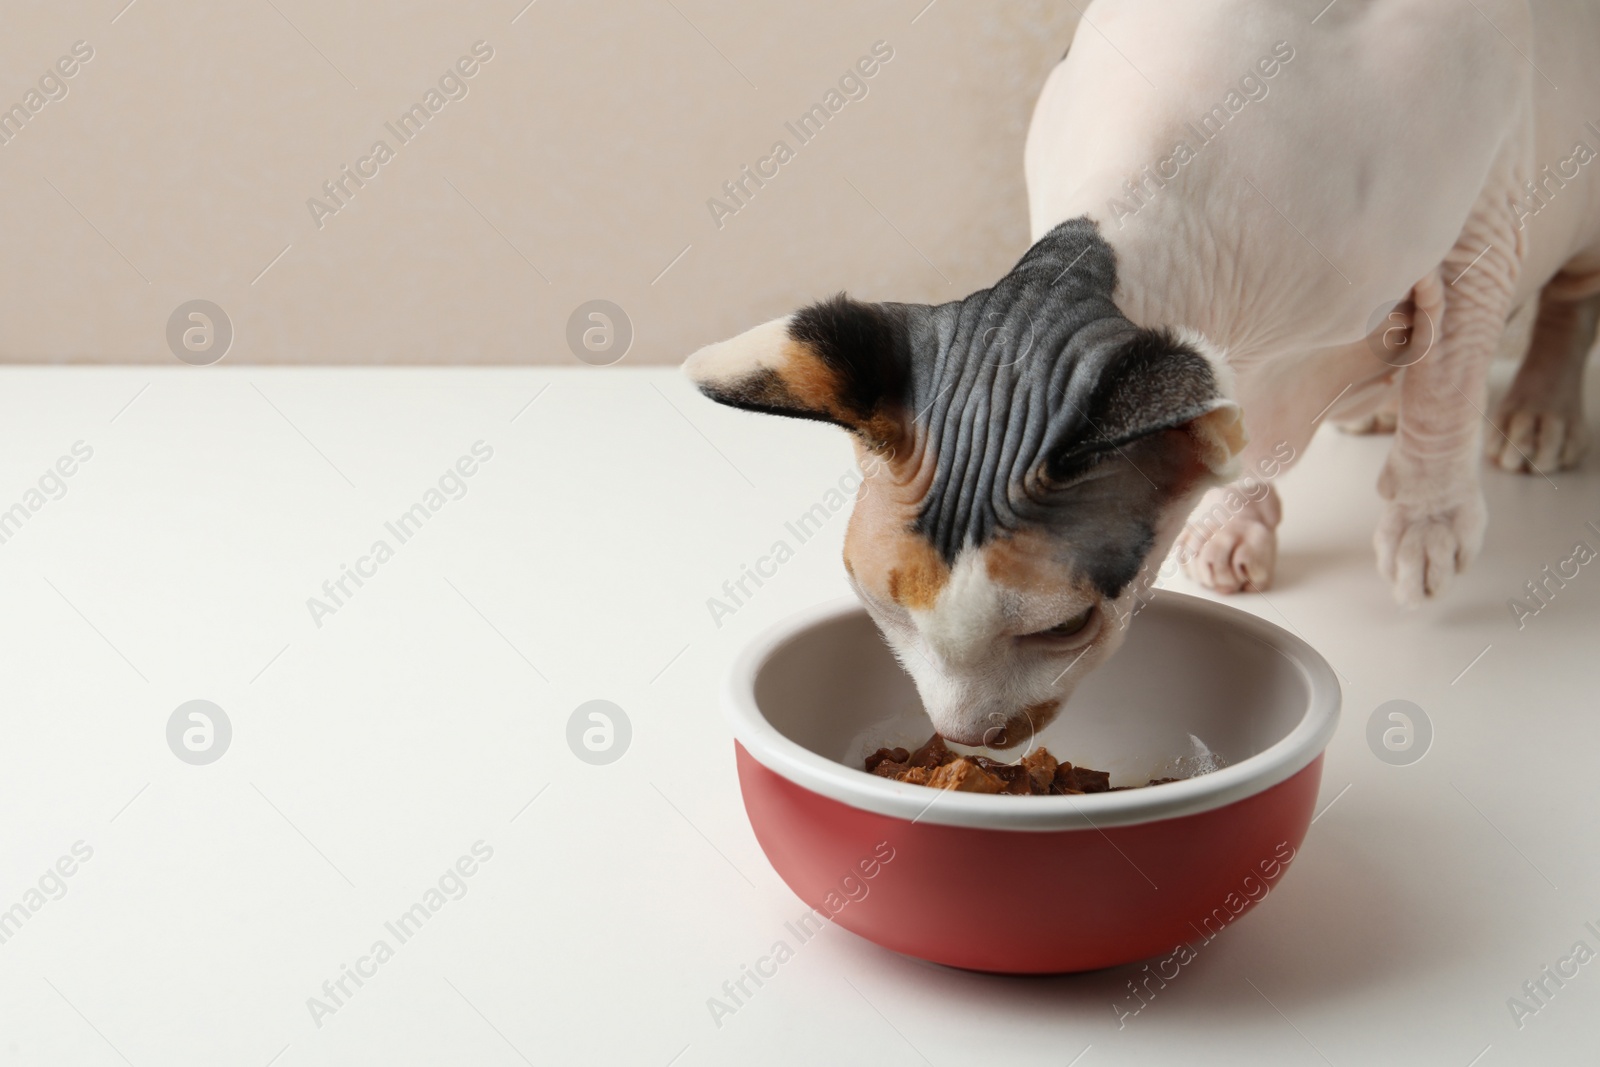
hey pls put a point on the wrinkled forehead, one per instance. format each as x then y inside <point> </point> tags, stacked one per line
<point>1067,542</point>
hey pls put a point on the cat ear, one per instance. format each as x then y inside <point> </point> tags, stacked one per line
<point>1219,436</point>
<point>1161,380</point>
<point>838,361</point>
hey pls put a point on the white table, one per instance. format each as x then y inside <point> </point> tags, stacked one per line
<point>428,711</point>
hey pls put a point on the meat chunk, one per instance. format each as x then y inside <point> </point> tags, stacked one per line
<point>965,776</point>
<point>887,755</point>
<point>1070,779</point>
<point>1041,768</point>
<point>932,754</point>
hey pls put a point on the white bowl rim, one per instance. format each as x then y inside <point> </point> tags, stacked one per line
<point>1255,774</point>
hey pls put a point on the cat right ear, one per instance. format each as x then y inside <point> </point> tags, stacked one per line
<point>840,361</point>
<point>1160,380</point>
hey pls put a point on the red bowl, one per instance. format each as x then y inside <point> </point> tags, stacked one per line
<point>1038,884</point>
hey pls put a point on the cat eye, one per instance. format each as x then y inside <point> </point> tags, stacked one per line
<point>1069,627</point>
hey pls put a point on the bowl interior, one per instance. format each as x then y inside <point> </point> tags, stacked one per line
<point>1195,686</point>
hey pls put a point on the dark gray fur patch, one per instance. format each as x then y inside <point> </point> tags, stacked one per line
<point>1028,389</point>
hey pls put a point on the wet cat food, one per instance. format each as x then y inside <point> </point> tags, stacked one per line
<point>1037,774</point>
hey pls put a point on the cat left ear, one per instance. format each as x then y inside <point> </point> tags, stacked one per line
<point>838,361</point>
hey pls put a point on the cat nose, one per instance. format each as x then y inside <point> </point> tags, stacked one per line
<point>995,727</point>
<point>1007,731</point>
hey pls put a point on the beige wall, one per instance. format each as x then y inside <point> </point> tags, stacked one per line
<point>577,166</point>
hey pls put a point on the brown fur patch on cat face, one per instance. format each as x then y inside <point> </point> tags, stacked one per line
<point>1031,561</point>
<point>883,555</point>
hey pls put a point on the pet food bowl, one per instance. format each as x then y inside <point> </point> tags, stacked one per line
<point>1038,884</point>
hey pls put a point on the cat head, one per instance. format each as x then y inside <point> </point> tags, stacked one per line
<point>1026,451</point>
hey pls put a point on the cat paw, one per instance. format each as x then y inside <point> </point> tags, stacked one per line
<point>1421,548</point>
<point>1537,442</point>
<point>1240,555</point>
